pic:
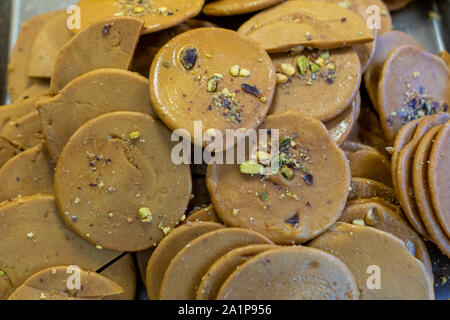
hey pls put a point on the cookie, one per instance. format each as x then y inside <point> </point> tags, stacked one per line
<point>385,44</point>
<point>18,80</point>
<point>33,229</point>
<point>7,151</point>
<point>114,42</point>
<point>297,203</point>
<point>306,23</point>
<point>168,249</point>
<point>404,185</point>
<point>216,275</point>
<point>25,132</point>
<point>124,190</point>
<point>366,188</point>
<point>47,44</point>
<point>420,171</point>
<point>319,84</point>
<point>341,126</point>
<point>54,284</point>
<point>87,97</point>
<point>370,165</point>
<point>377,215</point>
<point>380,201</point>
<point>184,273</point>
<point>26,174</point>
<point>422,90</point>
<point>291,273</point>
<point>40,87</point>
<point>156,15</point>
<point>199,75</point>
<point>235,7</point>
<point>204,214</point>
<point>122,272</point>
<point>439,177</point>
<point>403,277</point>
<point>13,112</point>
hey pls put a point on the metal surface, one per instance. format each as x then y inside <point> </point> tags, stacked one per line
<point>432,33</point>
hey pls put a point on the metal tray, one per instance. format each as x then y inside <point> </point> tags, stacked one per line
<point>433,34</point>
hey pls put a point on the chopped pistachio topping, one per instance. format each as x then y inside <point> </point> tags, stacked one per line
<point>302,65</point>
<point>234,70</point>
<point>288,173</point>
<point>235,212</point>
<point>281,78</point>
<point>165,230</point>
<point>99,247</point>
<point>189,57</point>
<point>264,196</point>
<point>358,222</point>
<point>145,214</point>
<point>166,64</point>
<point>2,273</point>
<point>30,234</point>
<point>244,73</point>
<point>251,167</point>
<point>285,141</point>
<point>135,135</point>
<point>288,69</point>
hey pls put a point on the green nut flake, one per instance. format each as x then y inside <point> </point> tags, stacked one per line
<point>166,64</point>
<point>314,67</point>
<point>211,86</point>
<point>302,65</point>
<point>264,196</point>
<point>189,57</point>
<point>287,172</point>
<point>285,141</point>
<point>324,54</point>
<point>251,167</point>
<point>2,273</point>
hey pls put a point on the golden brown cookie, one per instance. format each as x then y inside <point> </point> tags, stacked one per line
<point>55,284</point>
<point>199,75</point>
<point>155,14</point>
<point>319,84</point>
<point>218,273</point>
<point>25,132</point>
<point>422,195</point>
<point>114,42</point>
<point>33,229</point>
<point>404,185</point>
<point>306,23</point>
<point>168,249</point>
<point>28,173</point>
<point>13,112</point>
<point>300,201</point>
<point>380,201</point>
<point>370,165</point>
<point>235,7</point>
<point>184,273</point>
<point>377,215</point>
<point>291,273</point>
<point>122,272</point>
<point>424,88</point>
<point>370,254</point>
<point>47,44</point>
<point>18,80</point>
<point>439,177</point>
<point>341,126</point>
<point>87,97</point>
<point>125,193</point>
<point>385,44</point>
<point>7,151</point>
<point>365,188</point>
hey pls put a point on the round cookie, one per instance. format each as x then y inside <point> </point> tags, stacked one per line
<point>37,239</point>
<point>204,214</point>
<point>18,80</point>
<point>291,273</point>
<point>28,173</point>
<point>122,272</point>
<point>192,80</point>
<point>370,165</point>
<point>156,14</point>
<point>424,88</point>
<point>219,272</point>
<point>365,188</point>
<point>185,271</point>
<point>360,248</point>
<point>87,97</point>
<point>53,284</point>
<point>341,126</point>
<point>422,195</point>
<point>404,185</point>
<point>13,112</point>
<point>25,132</point>
<point>306,23</point>
<point>323,94</point>
<point>7,151</point>
<point>116,176</point>
<point>114,42</point>
<point>235,7</point>
<point>377,215</point>
<point>385,44</point>
<point>168,248</point>
<point>47,44</point>
<point>439,177</point>
<point>297,203</point>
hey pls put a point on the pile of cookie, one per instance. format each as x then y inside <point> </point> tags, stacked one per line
<point>87,153</point>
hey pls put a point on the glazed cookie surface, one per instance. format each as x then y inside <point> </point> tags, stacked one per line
<point>116,185</point>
